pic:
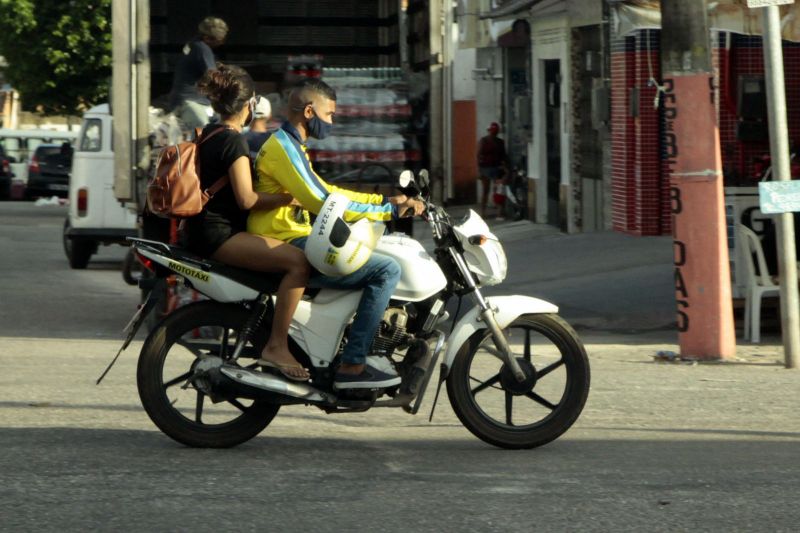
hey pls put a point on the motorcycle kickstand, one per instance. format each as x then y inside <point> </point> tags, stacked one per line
<point>442,379</point>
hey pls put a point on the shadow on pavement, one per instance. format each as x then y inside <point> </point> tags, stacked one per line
<point>77,479</point>
<point>632,453</point>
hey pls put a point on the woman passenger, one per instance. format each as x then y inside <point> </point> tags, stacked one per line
<point>219,231</point>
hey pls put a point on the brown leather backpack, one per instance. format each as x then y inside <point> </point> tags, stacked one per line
<point>174,191</point>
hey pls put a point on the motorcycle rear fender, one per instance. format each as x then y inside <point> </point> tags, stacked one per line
<point>506,310</point>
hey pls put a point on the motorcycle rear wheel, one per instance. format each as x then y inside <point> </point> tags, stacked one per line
<point>198,330</point>
<point>556,364</point>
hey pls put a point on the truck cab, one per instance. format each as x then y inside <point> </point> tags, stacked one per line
<point>95,215</point>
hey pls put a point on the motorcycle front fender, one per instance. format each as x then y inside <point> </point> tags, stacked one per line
<point>506,310</point>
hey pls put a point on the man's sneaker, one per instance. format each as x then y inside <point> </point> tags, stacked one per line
<point>382,363</point>
<point>369,378</point>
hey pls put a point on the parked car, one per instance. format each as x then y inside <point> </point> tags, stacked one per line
<point>95,215</point>
<point>5,174</point>
<point>48,170</point>
<point>20,144</point>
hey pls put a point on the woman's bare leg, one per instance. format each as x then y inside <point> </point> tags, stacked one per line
<point>256,252</point>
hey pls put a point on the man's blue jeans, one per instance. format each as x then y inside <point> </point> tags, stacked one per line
<point>378,277</point>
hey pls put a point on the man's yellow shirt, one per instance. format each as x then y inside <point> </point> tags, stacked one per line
<point>283,166</point>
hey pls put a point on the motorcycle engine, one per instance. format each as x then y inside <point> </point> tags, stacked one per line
<point>391,332</point>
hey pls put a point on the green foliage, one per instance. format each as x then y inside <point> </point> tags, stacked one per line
<point>58,52</point>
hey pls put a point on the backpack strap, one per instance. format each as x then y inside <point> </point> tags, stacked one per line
<point>201,139</point>
<point>216,186</point>
<point>223,181</point>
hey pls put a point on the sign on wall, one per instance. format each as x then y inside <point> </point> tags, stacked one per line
<point>767,3</point>
<point>779,196</point>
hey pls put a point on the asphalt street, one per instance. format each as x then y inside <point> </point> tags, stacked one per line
<point>659,447</point>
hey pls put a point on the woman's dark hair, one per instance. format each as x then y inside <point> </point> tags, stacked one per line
<point>229,87</point>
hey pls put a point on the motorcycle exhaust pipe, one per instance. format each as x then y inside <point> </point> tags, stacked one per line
<point>243,382</point>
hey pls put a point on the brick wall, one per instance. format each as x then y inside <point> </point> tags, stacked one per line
<point>740,55</point>
<point>638,194</point>
<point>640,186</point>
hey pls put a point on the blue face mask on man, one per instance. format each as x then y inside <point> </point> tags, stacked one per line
<point>318,128</point>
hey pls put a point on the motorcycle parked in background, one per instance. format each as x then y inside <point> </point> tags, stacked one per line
<point>510,195</point>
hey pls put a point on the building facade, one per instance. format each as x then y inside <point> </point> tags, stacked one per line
<point>640,182</point>
<point>541,71</point>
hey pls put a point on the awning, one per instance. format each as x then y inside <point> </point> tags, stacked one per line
<point>723,15</point>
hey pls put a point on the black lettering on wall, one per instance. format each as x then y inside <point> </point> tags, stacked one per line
<point>675,200</point>
<point>669,155</point>
<point>683,318</point>
<point>680,285</point>
<point>680,253</point>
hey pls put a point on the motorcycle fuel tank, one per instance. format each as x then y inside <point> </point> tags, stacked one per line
<point>421,276</point>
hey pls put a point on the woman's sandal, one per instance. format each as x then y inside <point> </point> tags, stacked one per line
<point>282,368</point>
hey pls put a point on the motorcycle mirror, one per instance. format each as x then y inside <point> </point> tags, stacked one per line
<point>423,178</point>
<point>406,178</point>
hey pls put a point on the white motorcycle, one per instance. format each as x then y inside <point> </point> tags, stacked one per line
<point>517,375</point>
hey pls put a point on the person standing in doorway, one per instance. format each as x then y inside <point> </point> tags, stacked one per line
<point>197,58</point>
<point>491,161</point>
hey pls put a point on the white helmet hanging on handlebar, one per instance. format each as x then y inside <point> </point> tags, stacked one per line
<point>336,248</point>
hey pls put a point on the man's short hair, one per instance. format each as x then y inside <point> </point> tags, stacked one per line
<point>213,27</point>
<point>305,90</point>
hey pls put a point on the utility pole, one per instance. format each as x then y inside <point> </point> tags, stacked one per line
<point>130,95</point>
<point>779,154</point>
<point>436,103</point>
<point>694,162</point>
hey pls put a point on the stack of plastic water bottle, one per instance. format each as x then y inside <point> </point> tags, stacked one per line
<point>372,143</point>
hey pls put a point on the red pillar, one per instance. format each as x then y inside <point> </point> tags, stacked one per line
<point>694,164</point>
<point>702,270</point>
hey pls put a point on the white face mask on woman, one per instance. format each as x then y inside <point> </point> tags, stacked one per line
<point>251,110</point>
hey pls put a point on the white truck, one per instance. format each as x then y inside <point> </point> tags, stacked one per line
<point>95,215</point>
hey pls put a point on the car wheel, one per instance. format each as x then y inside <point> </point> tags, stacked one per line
<point>78,251</point>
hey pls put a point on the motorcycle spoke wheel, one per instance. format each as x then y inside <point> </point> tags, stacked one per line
<point>531,407</point>
<point>177,401</point>
<point>497,408</point>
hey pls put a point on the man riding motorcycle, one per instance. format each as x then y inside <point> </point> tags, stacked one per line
<point>283,165</point>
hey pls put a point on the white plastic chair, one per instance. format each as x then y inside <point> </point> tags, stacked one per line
<point>757,285</point>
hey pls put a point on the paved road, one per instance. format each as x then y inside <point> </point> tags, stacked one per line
<point>41,296</point>
<point>659,447</point>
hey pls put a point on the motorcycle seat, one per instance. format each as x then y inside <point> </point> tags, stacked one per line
<point>264,282</point>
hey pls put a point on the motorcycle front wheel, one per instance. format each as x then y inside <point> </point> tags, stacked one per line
<point>500,410</point>
<point>175,346</point>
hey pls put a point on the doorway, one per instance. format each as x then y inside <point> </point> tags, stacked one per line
<point>552,86</point>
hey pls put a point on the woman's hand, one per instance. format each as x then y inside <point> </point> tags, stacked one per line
<point>268,202</point>
<point>242,183</point>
